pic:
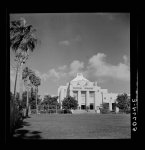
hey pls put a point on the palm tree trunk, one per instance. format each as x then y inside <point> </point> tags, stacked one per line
<point>36,102</point>
<point>56,108</point>
<point>27,104</point>
<point>21,82</point>
<point>15,83</point>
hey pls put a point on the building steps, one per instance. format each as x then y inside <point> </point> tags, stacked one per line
<point>83,111</point>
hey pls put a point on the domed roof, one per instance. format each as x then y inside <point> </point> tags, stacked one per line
<point>79,77</point>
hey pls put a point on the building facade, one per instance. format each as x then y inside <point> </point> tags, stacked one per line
<point>88,94</point>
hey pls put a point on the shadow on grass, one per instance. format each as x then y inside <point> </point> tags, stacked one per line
<point>26,134</point>
<point>20,133</point>
<point>21,124</point>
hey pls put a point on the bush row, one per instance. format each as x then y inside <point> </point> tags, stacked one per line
<point>15,116</point>
<point>107,111</point>
<point>59,111</point>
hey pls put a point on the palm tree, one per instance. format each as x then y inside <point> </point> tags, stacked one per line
<point>36,81</point>
<point>22,41</point>
<point>26,74</point>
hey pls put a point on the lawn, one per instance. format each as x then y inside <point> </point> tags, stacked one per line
<point>75,126</point>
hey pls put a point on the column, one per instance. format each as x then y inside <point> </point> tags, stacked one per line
<point>87,98</point>
<point>79,98</point>
<point>94,101</point>
<point>110,106</point>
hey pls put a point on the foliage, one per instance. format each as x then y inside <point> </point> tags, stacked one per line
<point>22,36</point>
<point>22,41</point>
<point>105,108</point>
<point>123,102</point>
<point>32,81</point>
<point>35,80</point>
<point>50,102</point>
<point>24,99</point>
<point>15,113</point>
<point>27,72</point>
<point>69,103</point>
<point>32,99</point>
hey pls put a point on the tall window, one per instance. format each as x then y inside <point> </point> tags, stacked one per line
<point>92,94</point>
<point>83,95</point>
<point>75,95</point>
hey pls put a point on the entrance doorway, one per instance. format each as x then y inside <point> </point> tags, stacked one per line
<point>83,107</point>
<point>91,106</point>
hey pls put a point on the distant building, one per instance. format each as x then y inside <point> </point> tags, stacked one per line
<point>88,94</point>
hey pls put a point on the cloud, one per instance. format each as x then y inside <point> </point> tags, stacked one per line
<point>43,76</point>
<point>99,67</point>
<point>56,74</point>
<point>62,67</point>
<point>76,66</point>
<point>53,73</point>
<point>77,38</point>
<point>65,42</point>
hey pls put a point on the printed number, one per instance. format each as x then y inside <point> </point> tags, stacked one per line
<point>134,129</point>
<point>134,118</point>
<point>134,108</point>
<point>134,123</point>
<point>134,100</point>
<point>134,113</point>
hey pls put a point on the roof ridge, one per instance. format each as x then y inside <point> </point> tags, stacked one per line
<point>80,77</point>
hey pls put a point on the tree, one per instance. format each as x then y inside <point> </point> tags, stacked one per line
<point>69,103</point>
<point>27,72</point>
<point>105,108</point>
<point>123,102</point>
<point>24,99</point>
<point>50,102</point>
<point>32,99</point>
<point>36,81</point>
<point>22,41</point>
<point>53,103</point>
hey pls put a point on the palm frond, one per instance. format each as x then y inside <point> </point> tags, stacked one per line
<point>21,36</point>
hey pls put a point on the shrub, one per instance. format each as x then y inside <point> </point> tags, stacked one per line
<point>123,102</point>
<point>105,108</point>
<point>15,115</point>
<point>33,111</point>
<point>60,111</point>
<point>69,103</point>
<point>104,111</point>
<point>121,111</point>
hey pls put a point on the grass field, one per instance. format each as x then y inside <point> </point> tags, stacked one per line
<point>78,126</point>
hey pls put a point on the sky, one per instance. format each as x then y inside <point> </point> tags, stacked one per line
<point>95,44</point>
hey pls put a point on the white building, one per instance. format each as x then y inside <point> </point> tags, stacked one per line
<point>88,94</point>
